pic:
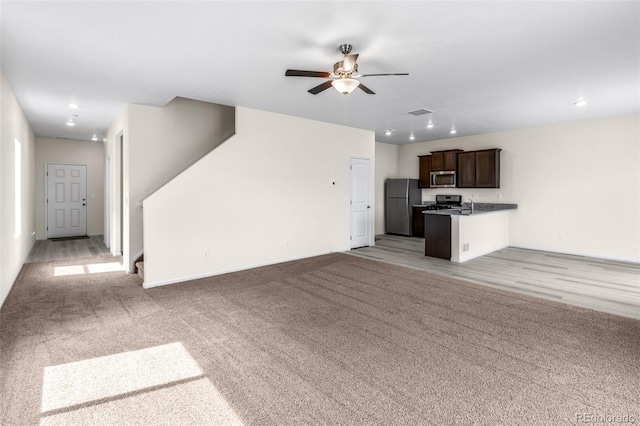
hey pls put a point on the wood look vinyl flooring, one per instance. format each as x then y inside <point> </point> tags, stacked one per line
<point>48,250</point>
<point>599,284</point>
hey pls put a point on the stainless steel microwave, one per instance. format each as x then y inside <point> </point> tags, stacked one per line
<point>443,179</point>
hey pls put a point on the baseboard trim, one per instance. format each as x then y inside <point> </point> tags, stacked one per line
<point>147,285</point>
<point>573,253</point>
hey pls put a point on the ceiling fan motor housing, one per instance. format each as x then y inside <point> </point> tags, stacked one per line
<point>339,71</point>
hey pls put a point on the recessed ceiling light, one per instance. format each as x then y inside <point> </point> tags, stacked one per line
<point>430,126</point>
<point>411,137</point>
<point>453,131</point>
<point>580,102</point>
<point>94,138</point>
<point>74,106</point>
<point>70,123</point>
<point>388,132</point>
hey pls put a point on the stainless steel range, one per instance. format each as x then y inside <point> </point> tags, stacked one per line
<point>445,202</point>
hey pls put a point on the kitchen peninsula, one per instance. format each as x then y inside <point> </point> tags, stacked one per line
<point>464,233</point>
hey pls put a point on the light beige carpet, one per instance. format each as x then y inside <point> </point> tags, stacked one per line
<point>334,339</point>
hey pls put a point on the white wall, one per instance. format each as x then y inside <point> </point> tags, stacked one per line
<point>482,234</point>
<point>386,167</point>
<point>159,143</point>
<point>71,152</point>
<point>578,180</point>
<point>14,246</point>
<point>262,197</point>
<point>113,198</point>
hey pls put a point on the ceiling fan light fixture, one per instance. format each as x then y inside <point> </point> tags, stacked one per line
<point>345,85</point>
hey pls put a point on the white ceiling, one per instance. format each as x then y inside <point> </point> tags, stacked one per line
<point>479,66</point>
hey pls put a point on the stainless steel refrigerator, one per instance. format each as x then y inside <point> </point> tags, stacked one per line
<point>400,196</point>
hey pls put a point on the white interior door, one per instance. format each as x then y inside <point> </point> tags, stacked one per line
<point>66,200</point>
<point>360,183</point>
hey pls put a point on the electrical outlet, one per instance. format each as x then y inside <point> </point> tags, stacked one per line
<point>499,196</point>
<point>146,190</point>
<point>561,236</point>
<point>206,254</point>
<point>465,247</point>
<point>286,243</point>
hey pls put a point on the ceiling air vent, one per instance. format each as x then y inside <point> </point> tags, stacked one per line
<point>420,111</point>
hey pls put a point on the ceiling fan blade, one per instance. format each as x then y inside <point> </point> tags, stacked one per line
<point>300,73</point>
<point>376,75</point>
<point>349,62</point>
<point>365,89</point>
<point>320,88</point>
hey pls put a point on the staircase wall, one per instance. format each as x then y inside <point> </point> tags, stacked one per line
<point>159,143</point>
<point>267,195</point>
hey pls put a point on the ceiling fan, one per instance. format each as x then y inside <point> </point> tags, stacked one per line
<point>344,77</point>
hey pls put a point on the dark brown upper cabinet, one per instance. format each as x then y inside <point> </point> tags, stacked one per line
<point>425,171</point>
<point>479,169</point>
<point>444,160</point>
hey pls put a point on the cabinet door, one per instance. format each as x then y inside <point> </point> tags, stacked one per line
<point>425,171</point>
<point>437,161</point>
<point>418,222</point>
<point>466,170</point>
<point>450,160</point>
<point>488,169</point>
<point>437,237</point>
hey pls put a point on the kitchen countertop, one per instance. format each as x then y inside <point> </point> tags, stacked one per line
<point>478,208</point>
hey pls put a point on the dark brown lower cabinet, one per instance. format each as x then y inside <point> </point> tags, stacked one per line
<point>418,222</point>
<point>437,236</point>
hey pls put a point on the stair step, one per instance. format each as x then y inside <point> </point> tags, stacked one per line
<point>140,266</point>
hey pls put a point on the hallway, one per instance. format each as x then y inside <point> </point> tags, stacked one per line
<point>49,250</point>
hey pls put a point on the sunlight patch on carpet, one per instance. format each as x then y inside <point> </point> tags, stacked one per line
<point>93,268</point>
<point>162,383</point>
<point>195,403</point>
<point>92,379</point>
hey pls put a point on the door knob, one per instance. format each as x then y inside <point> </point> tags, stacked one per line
<point>368,207</point>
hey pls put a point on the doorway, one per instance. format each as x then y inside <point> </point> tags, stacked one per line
<point>360,204</point>
<point>121,190</point>
<point>107,209</point>
<point>66,200</point>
